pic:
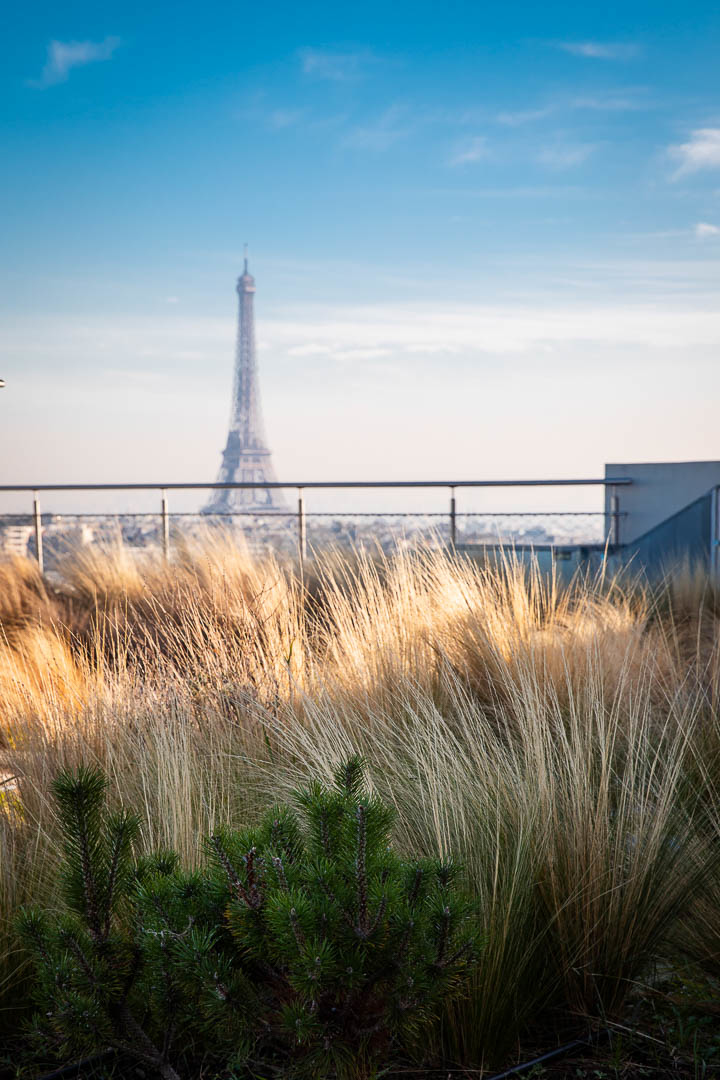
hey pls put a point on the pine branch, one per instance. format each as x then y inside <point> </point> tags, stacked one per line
<point>382,908</point>
<point>296,929</point>
<point>349,777</point>
<point>30,924</point>
<point>74,946</point>
<point>361,873</point>
<point>325,834</point>
<point>92,912</point>
<point>141,1047</point>
<point>464,951</point>
<point>232,874</point>
<point>415,887</point>
<point>444,937</point>
<point>280,871</point>
<point>255,898</point>
<point>81,796</point>
<point>404,943</point>
<point>125,827</point>
<point>132,975</point>
<point>334,901</point>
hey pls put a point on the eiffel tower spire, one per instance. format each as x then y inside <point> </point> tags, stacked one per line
<point>246,457</point>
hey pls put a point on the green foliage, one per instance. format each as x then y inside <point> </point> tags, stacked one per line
<point>306,946</point>
<point>363,947</point>
<point>98,849</point>
<point>89,960</point>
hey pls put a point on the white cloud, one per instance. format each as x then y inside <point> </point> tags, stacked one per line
<point>565,156</point>
<point>535,191</point>
<point>312,348</point>
<point>599,50</point>
<point>344,331</point>
<point>473,149</point>
<point>523,116</point>
<point>63,56</point>
<point>391,126</point>
<point>284,118</point>
<point>620,101</point>
<point>701,151</point>
<point>703,230</point>
<point>496,328</point>
<point>335,66</point>
<point>629,99</point>
<point>351,353</point>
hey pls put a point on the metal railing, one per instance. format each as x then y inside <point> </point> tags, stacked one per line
<point>612,518</point>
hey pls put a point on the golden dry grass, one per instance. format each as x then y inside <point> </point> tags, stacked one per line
<point>560,741</point>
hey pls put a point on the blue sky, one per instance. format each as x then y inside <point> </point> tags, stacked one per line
<point>486,237</point>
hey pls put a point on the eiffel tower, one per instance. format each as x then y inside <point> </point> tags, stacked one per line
<point>246,457</point>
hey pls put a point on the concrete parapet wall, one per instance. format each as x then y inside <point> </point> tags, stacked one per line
<point>658,491</point>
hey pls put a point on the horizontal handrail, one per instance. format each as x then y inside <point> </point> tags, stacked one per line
<point>607,482</point>
<point>613,517</point>
<point>275,513</point>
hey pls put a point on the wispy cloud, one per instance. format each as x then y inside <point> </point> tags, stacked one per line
<point>599,50</point>
<point>335,66</point>
<point>63,56</point>
<point>553,191</point>
<point>473,149</point>
<point>620,101</point>
<point>523,116</point>
<point>656,234</point>
<point>565,156</point>
<point>394,124</point>
<point>373,330</point>
<point>701,151</point>
<point>627,99</point>
<point>704,230</point>
<point>285,118</point>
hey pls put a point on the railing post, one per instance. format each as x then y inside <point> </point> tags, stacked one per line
<point>37,518</point>
<point>453,519</point>
<point>165,526</point>
<point>715,533</point>
<point>614,517</point>
<point>302,530</point>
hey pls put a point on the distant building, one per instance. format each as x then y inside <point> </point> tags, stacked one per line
<point>246,457</point>
<point>15,539</point>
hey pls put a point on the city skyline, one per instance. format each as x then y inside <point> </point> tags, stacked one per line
<point>486,240</point>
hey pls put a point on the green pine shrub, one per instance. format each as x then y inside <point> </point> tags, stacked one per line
<point>305,947</point>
